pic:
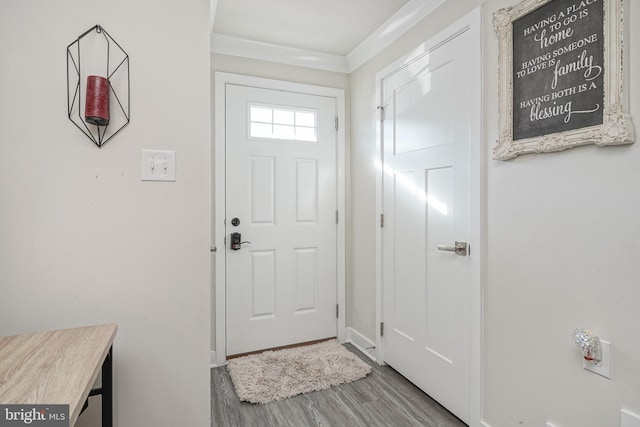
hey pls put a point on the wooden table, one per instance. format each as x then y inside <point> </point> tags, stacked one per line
<point>58,367</point>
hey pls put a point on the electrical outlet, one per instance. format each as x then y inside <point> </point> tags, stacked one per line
<point>629,419</point>
<point>158,165</point>
<point>604,367</point>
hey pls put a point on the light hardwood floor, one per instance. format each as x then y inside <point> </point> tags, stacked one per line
<point>384,398</point>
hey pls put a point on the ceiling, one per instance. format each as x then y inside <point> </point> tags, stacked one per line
<point>334,27</point>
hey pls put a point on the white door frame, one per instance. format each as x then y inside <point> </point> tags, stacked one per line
<point>470,22</point>
<point>219,208</point>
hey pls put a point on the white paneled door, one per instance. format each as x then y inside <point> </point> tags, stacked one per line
<point>281,198</point>
<point>427,132</point>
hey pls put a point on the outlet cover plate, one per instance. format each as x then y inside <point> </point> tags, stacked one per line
<point>605,366</point>
<point>629,419</point>
<point>158,165</point>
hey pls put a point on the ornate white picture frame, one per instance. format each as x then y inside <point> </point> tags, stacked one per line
<point>562,21</point>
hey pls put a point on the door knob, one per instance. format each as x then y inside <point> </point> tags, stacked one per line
<point>460,248</point>
<point>236,243</point>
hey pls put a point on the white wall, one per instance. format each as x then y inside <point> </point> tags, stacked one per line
<point>271,70</point>
<point>562,247</point>
<point>82,239</point>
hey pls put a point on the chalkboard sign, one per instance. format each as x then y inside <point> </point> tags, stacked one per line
<point>558,68</point>
<point>561,76</point>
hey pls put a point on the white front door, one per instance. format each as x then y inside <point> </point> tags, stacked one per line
<point>281,196</point>
<point>427,132</point>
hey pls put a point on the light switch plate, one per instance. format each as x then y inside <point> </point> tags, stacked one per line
<point>158,165</point>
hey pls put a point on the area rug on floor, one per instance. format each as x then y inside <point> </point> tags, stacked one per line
<point>275,375</point>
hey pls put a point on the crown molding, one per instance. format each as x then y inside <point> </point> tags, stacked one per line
<point>235,46</point>
<point>213,6</point>
<point>402,21</point>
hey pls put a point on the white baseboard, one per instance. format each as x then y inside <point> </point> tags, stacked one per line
<point>212,360</point>
<point>362,343</point>
<point>628,419</point>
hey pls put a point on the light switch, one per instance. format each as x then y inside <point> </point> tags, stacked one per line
<point>158,165</point>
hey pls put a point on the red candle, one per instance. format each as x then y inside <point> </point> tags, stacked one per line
<point>96,109</point>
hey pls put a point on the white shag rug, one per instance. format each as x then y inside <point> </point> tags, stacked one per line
<point>275,375</point>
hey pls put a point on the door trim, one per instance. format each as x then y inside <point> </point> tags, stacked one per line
<point>219,199</point>
<point>471,22</point>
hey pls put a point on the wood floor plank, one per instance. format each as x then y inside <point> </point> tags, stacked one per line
<point>384,398</point>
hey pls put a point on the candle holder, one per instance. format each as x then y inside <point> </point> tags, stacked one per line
<point>96,87</point>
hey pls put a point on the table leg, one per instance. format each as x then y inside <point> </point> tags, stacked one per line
<point>107,390</point>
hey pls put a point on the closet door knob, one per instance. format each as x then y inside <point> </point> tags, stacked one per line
<point>460,248</point>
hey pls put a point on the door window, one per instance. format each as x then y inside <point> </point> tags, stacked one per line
<point>271,122</point>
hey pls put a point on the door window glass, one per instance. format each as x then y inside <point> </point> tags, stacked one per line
<point>282,123</point>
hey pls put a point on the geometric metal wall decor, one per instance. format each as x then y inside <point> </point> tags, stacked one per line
<point>98,85</point>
